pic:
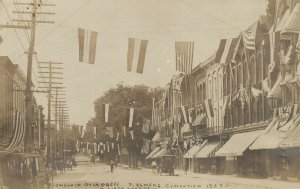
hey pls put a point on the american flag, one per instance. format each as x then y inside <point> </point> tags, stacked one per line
<point>184,56</point>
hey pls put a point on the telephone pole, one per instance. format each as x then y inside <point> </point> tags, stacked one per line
<point>53,81</point>
<point>28,141</point>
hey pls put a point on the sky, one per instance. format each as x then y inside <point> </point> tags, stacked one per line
<point>161,22</point>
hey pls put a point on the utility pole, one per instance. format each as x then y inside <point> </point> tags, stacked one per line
<point>28,141</point>
<point>53,77</point>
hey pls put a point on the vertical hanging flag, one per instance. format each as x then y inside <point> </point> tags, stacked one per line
<point>106,111</point>
<point>118,135</point>
<point>87,45</point>
<point>184,114</point>
<point>146,126</point>
<point>136,55</point>
<point>184,56</point>
<point>124,131</point>
<point>95,133</point>
<point>131,135</point>
<point>119,151</point>
<point>131,111</point>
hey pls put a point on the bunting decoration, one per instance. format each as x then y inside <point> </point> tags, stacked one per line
<point>15,141</point>
<point>87,45</point>
<point>136,55</point>
<point>184,56</point>
<point>106,111</point>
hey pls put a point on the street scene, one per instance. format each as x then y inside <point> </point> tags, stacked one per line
<point>147,94</point>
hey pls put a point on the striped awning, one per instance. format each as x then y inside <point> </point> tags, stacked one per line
<point>153,152</point>
<point>292,23</point>
<point>199,119</point>
<point>276,91</point>
<point>14,142</point>
<point>161,152</point>
<point>208,150</point>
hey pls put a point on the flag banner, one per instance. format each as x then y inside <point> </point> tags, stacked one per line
<point>106,112</point>
<point>118,136</point>
<point>249,36</point>
<point>136,55</point>
<point>131,111</point>
<point>220,50</point>
<point>98,148</point>
<point>87,45</point>
<point>208,107</point>
<point>108,148</point>
<point>274,40</point>
<point>95,132</point>
<point>112,146</point>
<point>183,110</point>
<point>184,56</point>
<point>87,145</point>
<point>131,135</point>
<point>226,50</point>
<point>146,126</point>
<point>124,131</point>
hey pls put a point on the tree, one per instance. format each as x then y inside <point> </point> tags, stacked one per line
<point>120,99</point>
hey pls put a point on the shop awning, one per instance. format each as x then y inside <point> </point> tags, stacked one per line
<point>153,152</point>
<point>199,119</point>
<point>273,135</point>
<point>161,152</point>
<point>293,139</point>
<point>156,137</point>
<point>207,150</point>
<point>292,23</point>
<point>238,143</point>
<point>186,128</point>
<point>276,91</point>
<point>193,150</point>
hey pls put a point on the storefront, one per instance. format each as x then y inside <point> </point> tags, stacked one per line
<point>237,158</point>
<point>207,162</point>
<point>274,159</point>
<point>190,162</point>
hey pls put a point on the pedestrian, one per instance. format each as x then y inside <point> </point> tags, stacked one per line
<point>112,165</point>
<point>116,162</point>
<point>186,167</point>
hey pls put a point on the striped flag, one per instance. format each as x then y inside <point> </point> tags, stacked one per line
<point>87,45</point>
<point>106,111</point>
<point>184,56</point>
<point>136,55</point>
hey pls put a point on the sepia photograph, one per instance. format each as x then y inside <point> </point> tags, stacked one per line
<point>149,94</point>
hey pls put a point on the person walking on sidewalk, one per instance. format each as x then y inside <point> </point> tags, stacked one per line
<point>112,164</point>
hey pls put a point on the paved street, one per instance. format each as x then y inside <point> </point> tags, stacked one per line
<point>94,175</point>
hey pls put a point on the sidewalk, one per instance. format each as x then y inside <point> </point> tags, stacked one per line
<point>234,180</point>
